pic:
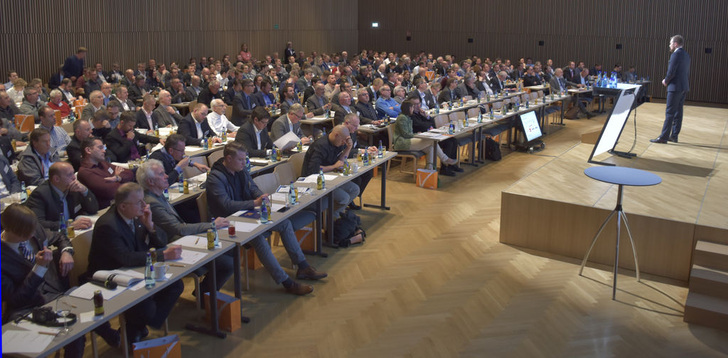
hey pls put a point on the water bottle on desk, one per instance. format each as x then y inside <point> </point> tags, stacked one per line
<point>321,180</point>
<point>181,184</point>
<point>291,194</point>
<point>23,193</point>
<point>263,212</point>
<point>381,150</point>
<point>149,272</point>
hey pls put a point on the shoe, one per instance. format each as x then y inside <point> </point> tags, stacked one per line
<point>457,169</point>
<point>299,289</point>
<point>353,206</point>
<point>446,171</point>
<point>589,115</point>
<point>310,273</point>
<point>658,140</point>
<point>112,337</point>
<point>674,140</point>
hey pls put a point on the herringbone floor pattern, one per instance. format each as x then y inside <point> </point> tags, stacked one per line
<point>432,280</point>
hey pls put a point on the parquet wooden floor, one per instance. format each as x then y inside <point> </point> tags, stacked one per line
<point>432,280</point>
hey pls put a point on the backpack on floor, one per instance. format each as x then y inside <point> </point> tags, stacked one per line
<point>345,227</point>
<point>492,150</point>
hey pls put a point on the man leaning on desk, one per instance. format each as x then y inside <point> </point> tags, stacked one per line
<point>121,239</point>
<point>231,189</point>
<point>35,268</point>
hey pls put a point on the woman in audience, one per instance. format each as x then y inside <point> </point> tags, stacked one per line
<point>404,138</point>
<point>16,93</point>
<point>245,54</point>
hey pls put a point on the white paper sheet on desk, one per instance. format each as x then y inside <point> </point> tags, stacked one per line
<point>283,189</point>
<point>439,130</point>
<point>289,140</point>
<point>190,257</point>
<point>192,241</point>
<point>313,178</point>
<point>276,207</point>
<point>245,227</point>
<point>279,197</point>
<point>93,222</point>
<point>90,316</point>
<point>25,342</point>
<point>86,291</point>
<point>37,328</point>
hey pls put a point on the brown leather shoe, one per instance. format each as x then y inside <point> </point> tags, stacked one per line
<point>310,273</point>
<point>299,289</point>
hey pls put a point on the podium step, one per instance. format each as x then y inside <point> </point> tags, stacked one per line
<point>711,255</point>
<point>706,311</point>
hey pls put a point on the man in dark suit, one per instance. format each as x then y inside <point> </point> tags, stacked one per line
<point>243,103</point>
<point>289,122</point>
<point>264,96</point>
<point>145,117</point>
<point>122,238</point>
<point>178,92</point>
<point>194,126</point>
<point>174,159</point>
<point>253,134</point>
<point>122,95</point>
<point>194,87</point>
<point>450,93</point>
<point>676,80</point>
<point>81,131</point>
<point>138,89</point>
<point>343,108</point>
<point>318,103</point>
<point>33,274</point>
<point>571,73</point>
<point>367,112</point>
<point>311,89</point>
<point>305,81</point>
<point>62,197</point>
<point>165,114</point>
<point>124,143</point>
<point>209,93</point>
<point>234,88</point>
<point>426,98</point>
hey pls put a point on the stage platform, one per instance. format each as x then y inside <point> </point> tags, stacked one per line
<point>558,209</point>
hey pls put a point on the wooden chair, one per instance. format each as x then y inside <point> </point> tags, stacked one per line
<point>403,154</point>
<point>25,122</point>
<point>213,157</point>
<point>296,161</point>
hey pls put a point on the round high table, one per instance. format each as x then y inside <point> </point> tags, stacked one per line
<point>620,176</point>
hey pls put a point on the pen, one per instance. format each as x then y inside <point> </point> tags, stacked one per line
<point>196,241</point>
<point>176,265</point>
<point>48,333</point>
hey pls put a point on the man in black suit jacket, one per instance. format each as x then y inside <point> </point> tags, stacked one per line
<point>138,89</point>
<point>62,197</point>
<point>265,97</point>
<point>243,103</point>
<point>209,93</point>
<point>81,131</point>
<point>423,93</point>
<point>676,80</point>
<point>122,238</point>
<point>571,73</point>
<point>194,126</point>
<point>253,134</point>
<point>145,114</point>
<point>367,112</point>
<point>450,93</point>
<point>165,114</point>
<point>174,159</point>
<point>124,143</point>
<point>33,274</point>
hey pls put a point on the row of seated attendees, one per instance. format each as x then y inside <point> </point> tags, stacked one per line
<point>139,216</point>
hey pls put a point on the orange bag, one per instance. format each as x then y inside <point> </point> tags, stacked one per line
<point>427,178</point>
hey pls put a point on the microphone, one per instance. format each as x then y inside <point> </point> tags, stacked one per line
<point>106,284</point>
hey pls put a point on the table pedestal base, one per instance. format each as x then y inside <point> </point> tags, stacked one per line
<point>620,216</point>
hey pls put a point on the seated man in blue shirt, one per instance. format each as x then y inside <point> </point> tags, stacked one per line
<point>386,105</point>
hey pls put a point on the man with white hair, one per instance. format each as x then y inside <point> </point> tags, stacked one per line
<point>56,103</point>
<point>217,120</point>
<point>31,102</point>
<point>152,178</point>
<point>165,114</point>
<point>96,103</point>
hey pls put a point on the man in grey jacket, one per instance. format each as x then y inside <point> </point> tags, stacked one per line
<point>37,158</point>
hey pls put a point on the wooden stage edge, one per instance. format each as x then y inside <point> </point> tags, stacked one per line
<point>558,210</point>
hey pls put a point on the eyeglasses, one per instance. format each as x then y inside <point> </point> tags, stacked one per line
<point>141,203</point>
<point>179,150</point>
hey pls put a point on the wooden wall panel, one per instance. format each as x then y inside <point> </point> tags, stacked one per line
<point>583,31</point>
<point>38,35</point>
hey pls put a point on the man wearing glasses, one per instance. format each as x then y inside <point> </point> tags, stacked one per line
<point>243,103</point>
<point>174,159</point>
<point>217,120</point>
<point>253,134</point>
<point>121,239</point>
<point>289,122</point>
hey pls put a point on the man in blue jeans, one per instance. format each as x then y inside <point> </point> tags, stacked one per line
<point>230,189</point>
<point>676,81</point>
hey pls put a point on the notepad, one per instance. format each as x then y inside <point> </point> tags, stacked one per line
<point>245,227</point>
<point>25,342</point>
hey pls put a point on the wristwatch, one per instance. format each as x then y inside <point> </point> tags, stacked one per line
<point>69,249</point>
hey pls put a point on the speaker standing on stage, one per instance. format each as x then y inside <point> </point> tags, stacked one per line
<point>676,81</point>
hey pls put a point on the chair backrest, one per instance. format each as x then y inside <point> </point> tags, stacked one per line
<point>81,247</point>
<point>79,102</point>
<point>213,157</point>
<point>229,112</point>
<point>497,105</point>
<point>534,96</point>
<point>268,183</point>
<point>540,94</point>
<point>473,112</point>
<point>284,173</point>
<point>202,207</point>
<point>192,104</point>
<point>457,116</point>
<point>190,172</point>
<point>441,120</point>
<point>390,137</point>
<point>296,161</point>
<point>24,122</point>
